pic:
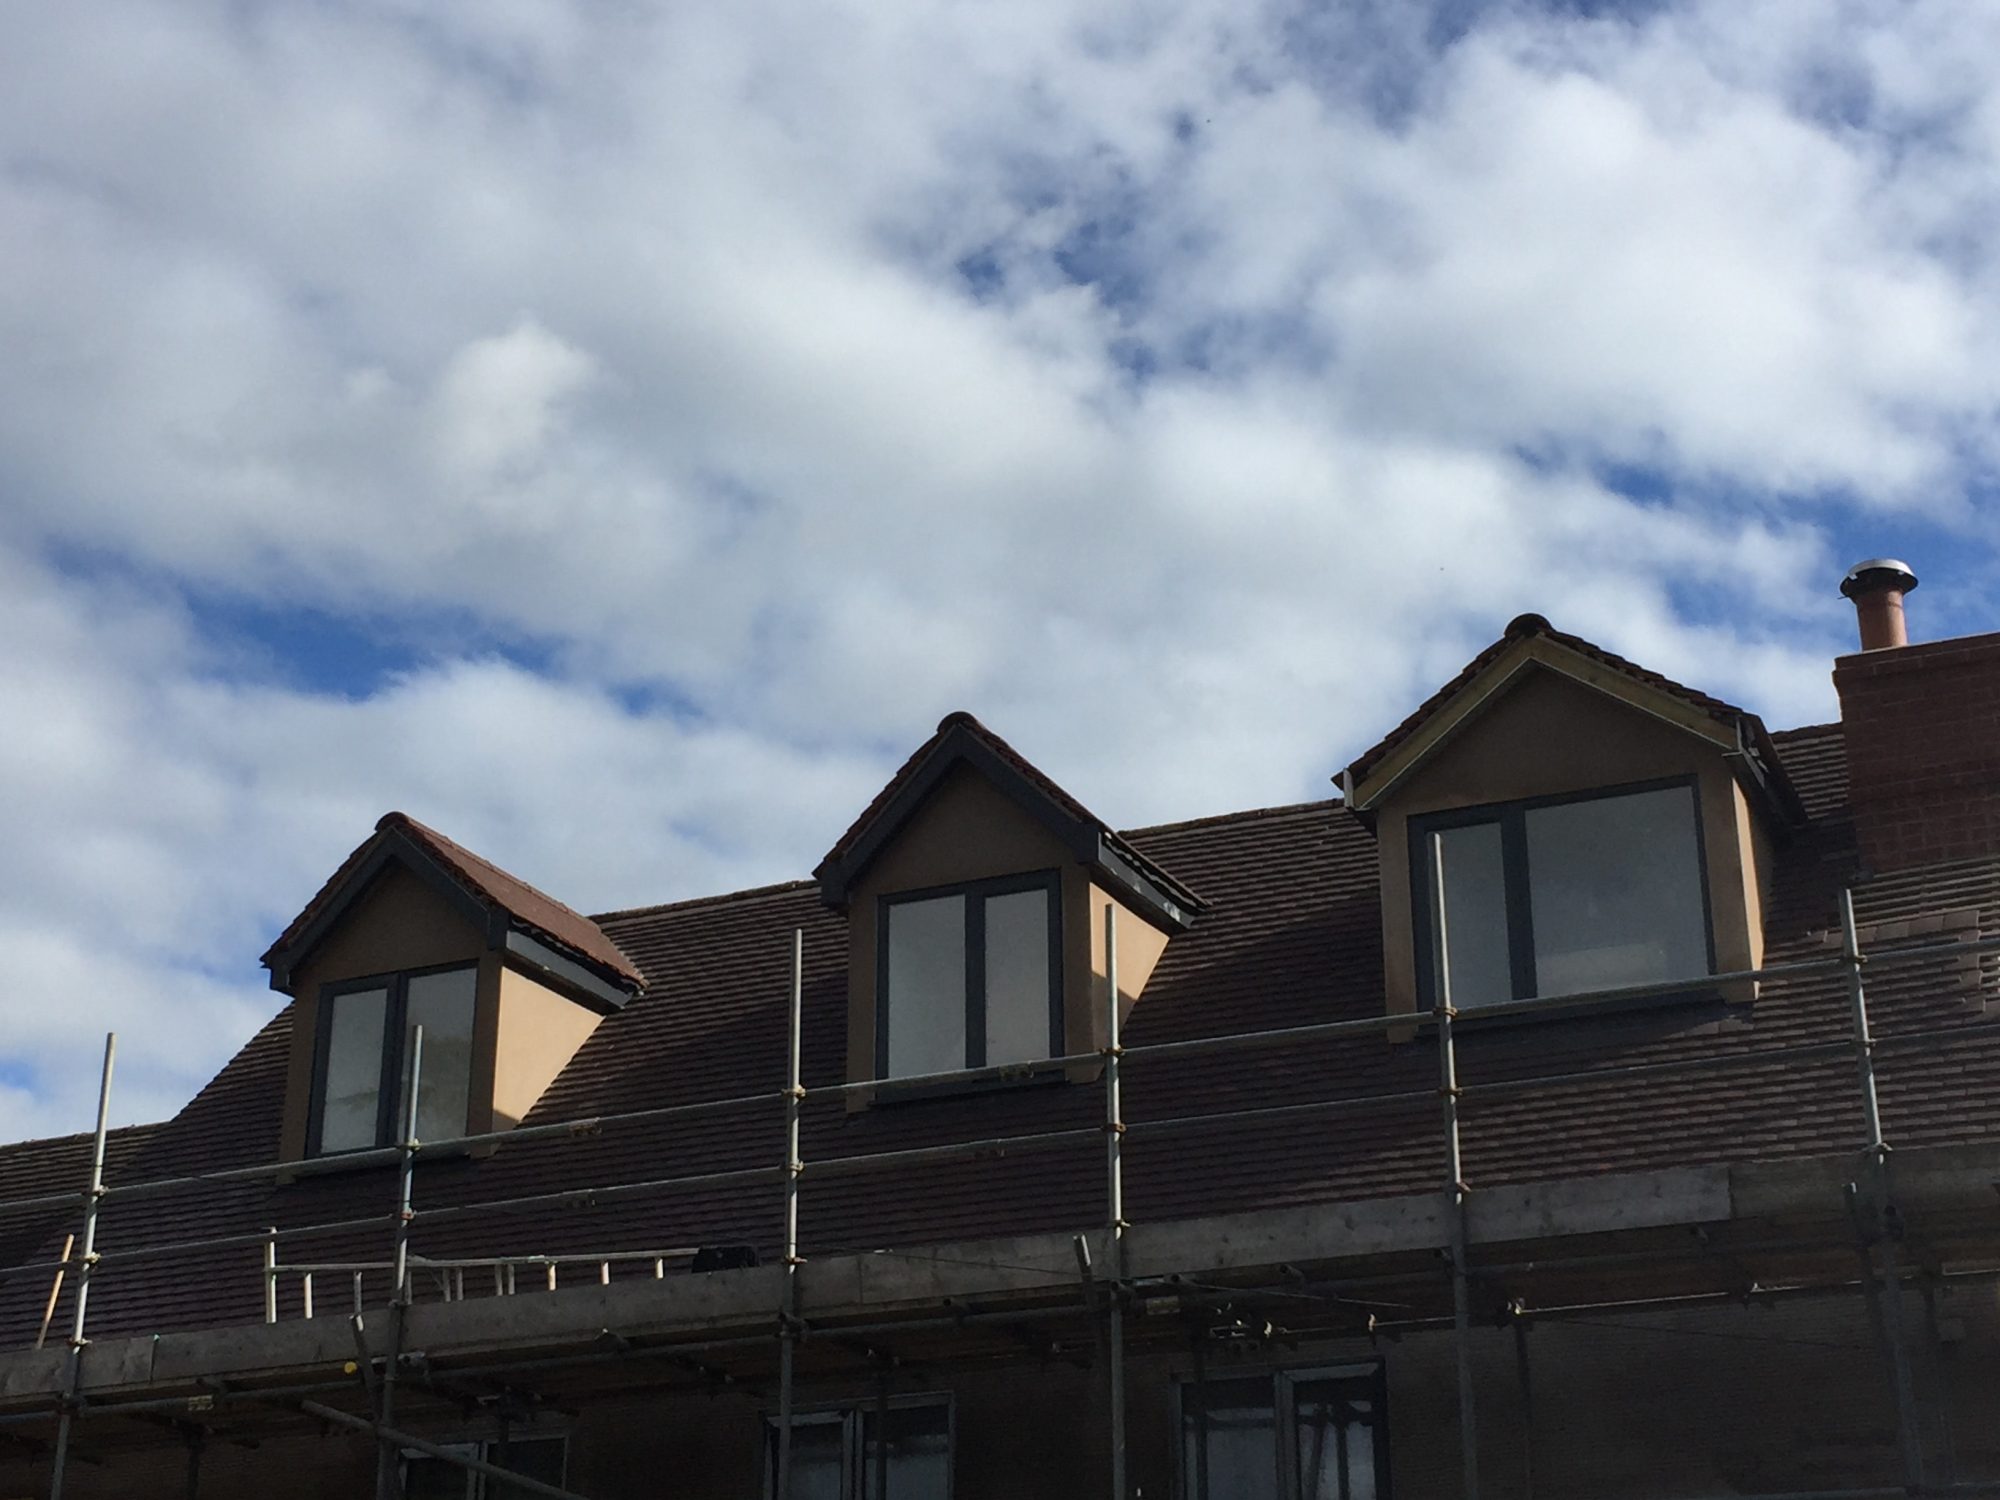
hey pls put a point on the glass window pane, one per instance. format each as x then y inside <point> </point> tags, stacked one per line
<point>919,1453</point>
<point>353,1070</point>
<point>1242,1439</point>
<point>427,1478</point>
<point>1336,1441</point>
<point>442,1004</point>
<point>1615,887</point>
<point>926,985</point>
<point>1017,976</point>
<point>1475,914</point>
<point>537,1458</point>
<point>818,1448</point>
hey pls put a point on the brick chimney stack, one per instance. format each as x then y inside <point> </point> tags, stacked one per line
<point>1877,588</point>
<point>1922,725</point>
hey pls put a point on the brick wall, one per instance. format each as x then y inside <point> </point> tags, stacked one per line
<point>1923,750</point>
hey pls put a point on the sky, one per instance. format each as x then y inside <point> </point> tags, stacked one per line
<point>615,434</point>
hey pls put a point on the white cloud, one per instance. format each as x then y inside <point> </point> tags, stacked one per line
<point>1186,392</point>
<point>499,400</point>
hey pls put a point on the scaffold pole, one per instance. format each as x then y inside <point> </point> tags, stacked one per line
<point>1114,1176</point>
<point>788,1312</point>
<point>1454,1177</point>
<point>87,1258</point>
<point>1889,1302</point>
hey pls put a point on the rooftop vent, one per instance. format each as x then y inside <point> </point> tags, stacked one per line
<point>1877,587</point>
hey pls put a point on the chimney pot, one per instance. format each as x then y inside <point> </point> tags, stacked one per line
<point>1877,587</point>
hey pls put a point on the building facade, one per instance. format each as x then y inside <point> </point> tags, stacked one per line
<point>1597,1098</point>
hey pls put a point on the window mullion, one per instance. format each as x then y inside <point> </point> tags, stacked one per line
<point>975,980</point>
<point>1520,914</point>
<point>393,1042</point>
<point>1284,1426</point>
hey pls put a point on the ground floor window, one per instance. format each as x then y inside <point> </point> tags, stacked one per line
<point>844,1453</point>
<point>1291,1435</point>
<point>429,1478</point>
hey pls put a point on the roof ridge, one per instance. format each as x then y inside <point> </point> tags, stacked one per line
<point>785,887</point>
<point>79,1135</point>
<point>1241,815</point>
<point>747,893</point>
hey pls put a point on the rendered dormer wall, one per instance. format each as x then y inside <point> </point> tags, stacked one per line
<point>1547,735</point>
<point>400,922</point>
<point>524,1031</point>
<point>966,830</point>
<point>538,1032</point>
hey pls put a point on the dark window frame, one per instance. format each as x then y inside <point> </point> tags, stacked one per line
<point>976,894</point>
<point>853,1417</point>
<point>492,1451</point>
<point>1281,1383</point>
<point>395,1038</point>
<point>1511,817</point>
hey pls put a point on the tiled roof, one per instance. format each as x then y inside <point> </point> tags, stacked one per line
<point>43,1168</point>
<point>961,723</point>
<point>61,1164</point>
<point>1292,935</point>
<point>538,912</point>
<point>1523,627</point>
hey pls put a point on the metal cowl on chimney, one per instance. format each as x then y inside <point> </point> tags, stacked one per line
<point>1877,587</point>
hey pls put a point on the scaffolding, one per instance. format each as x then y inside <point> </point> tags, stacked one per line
<point>1106,1292</point>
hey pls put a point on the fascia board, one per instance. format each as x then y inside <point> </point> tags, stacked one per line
<point>1499,676</point>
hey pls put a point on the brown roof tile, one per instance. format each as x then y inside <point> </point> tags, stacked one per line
<point>43,1168</point>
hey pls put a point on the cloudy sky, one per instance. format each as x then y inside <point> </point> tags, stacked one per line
<point>616,433</point>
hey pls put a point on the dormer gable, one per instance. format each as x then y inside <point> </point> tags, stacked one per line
<point>976,889</point>
<point>1591,824</point>
<point>962,741</point>
<point>413,928</point>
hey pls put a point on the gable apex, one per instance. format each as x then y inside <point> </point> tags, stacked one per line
<point>962,741</point>
<point>509,912</point>
<point>1530,643</point>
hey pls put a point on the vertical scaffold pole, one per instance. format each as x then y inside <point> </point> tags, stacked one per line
<point>1114,1180</point>
<point>271,1273</point>
<point>1890,1303</point>
<point>86,1261</point>
<point>407,1174</point>
<point>388,1476</point>
<point>1454,1177</point>
<point>788,1315</point>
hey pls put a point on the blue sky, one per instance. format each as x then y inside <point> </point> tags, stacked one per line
<point>617,433</point>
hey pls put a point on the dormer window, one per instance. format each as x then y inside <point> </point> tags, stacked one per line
<point>1596,825</point>
<point>416,930</point>
<point>977,894</point>
<point>970,976</point>
<point>362,1064</point>
<point>1561,895</point>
